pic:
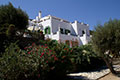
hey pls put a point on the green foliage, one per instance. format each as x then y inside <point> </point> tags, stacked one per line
<point>16,65</point>
<point>78,57</point>
<point>83,53</point>
<point>44,57</point>
<point>12,20</point>
<point>54,62</point>
<point>91,32</point>
<point>106,41</point>
<point>3,29</point>
<point>64,64</point>
<point>85,59</point>
<point>63,53</point>
<point>82,56</point>
<point>10,31</point>
<point>11,15</point>
<point>42,62</point>
<point>106,38</point>
<point>34,62</point>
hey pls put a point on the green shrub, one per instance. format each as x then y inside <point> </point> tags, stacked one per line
<point>47,61</point>
<point>16,65</point>
<point>44,55</point>
<point>53,63</point>
<point>83,53</point>
<point>83,57</point>
<point>35,62</point>
<point>63,65</point>
<point>76,58</point>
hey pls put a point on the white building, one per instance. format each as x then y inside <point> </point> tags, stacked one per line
<point>73,34</point>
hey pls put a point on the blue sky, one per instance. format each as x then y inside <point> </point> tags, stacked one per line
<point>91,12</point>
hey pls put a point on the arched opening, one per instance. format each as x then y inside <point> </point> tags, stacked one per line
<point>47,30</point>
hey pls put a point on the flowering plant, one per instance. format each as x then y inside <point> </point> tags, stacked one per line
<point>54,61</point>
<point>44,56</point>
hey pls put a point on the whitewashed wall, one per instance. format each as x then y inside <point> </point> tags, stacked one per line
<point>55,23</point>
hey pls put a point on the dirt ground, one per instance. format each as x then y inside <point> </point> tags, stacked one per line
<point>110,76</point>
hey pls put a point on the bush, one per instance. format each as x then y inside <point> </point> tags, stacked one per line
<point>93,65</point>
<point>12,20</point>
<point>11,15</point>
<point>52,64</point>
<point>35,62</point>
<point>46,58</point>
<point>41,62</point>
<point>16,65</point>
<point>83,57</point>
<point>63,65</point>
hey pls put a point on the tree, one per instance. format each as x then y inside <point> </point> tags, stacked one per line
<point>106,41</point>
<point>91,32</point>
<point>10,31</point>
<point>12,20</point>
<point>11,15</point>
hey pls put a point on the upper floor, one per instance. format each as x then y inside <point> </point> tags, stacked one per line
<point>51,24</point>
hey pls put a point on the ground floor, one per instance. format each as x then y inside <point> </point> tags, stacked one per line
<point>69,39</point>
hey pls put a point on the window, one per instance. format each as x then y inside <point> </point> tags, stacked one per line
<point>67,31</point>
<point>83,32</point>
<point>47,30</point>
<point>61,31</point>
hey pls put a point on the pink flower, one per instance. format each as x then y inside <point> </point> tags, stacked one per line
<point>46,61</point>
<point>46,47</point>
<point>36,49</point>
<point>53,55</point>
<point>25,48</point>
<point>50,50</point>
<point>29,52</point>
<point>42,54</point>
<point>55,58</point>
<point>30,47</point>
<point>33,44</point>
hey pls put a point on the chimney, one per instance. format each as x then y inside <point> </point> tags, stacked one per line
<point>40,14</point>
<point>37,18</point>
